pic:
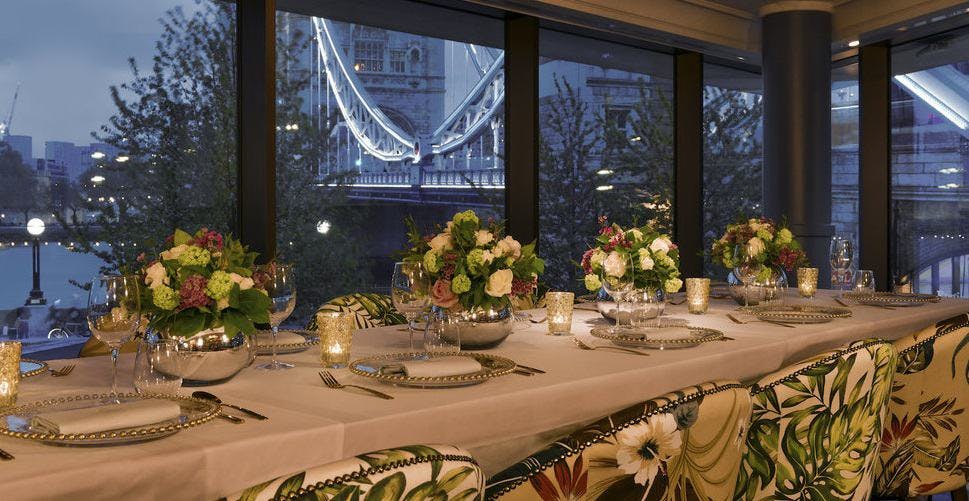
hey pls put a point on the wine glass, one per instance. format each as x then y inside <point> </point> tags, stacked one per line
<point>410,291</point>
<point>156,366</point>
<point>840,258</point>
<point>746,269</point>
<point>864,281</point>
<point>281,287</point>
<point>618,287</point>
<point>114,314</point>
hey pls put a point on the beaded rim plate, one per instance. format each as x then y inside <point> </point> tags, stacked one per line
<point>675,336</point>
<point>311,339</point>
<point>492,366</point>
<point>15,421</point>
<point>797,313</point>
<point>30,367</point>
<point>891,298</point>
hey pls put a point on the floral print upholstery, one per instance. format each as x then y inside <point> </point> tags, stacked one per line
<point>921,451</point>
<point>684,445</point>
<point>415,472</point>
<point>815,426</point>
<point>369,310</point>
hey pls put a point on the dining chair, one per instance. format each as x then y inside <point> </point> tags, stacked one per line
<point>683,445</point>
<point>410,472</point>
<point>368,309</point>
<point>815,426</point>
<point>921,447</point>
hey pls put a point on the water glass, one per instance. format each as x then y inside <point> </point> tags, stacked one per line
<point>336,336</point>
<point>410,291</point>
<point>558,312</point>
<point>645,308</point>
<point>156,367</point>
<point>442,334</point>
<point>618,287</point>
<point>697,295</point>
<point>9,372</point>
<point>114,314</point>
<point>807,281</point>
<point>864,281</point>
<point>840,258</point>
<point>281,287</point>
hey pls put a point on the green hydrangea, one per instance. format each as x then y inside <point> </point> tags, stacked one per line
<point>431,261</point>
<point>784,236</point>
<point>467,215</point>
<point>195,256</point>
<point>672,285</point>
<point>476,261</point>
<point>164,297</point>
<point>764,235</point>
<point>592,282</point>
<point>460,284</point>
<point>220,283</point>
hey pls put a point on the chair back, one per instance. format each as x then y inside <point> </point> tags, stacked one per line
<point>410,472</point>
<point>369,310</point>
<point>815,426</point>
<point>683,445</point>
<point>921,451</point>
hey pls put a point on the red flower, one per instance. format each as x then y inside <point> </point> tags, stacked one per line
<point>572,483</point>
<point>192,293</point>
<point>521,287</point>
<point>587,261</point>
<point>897,430</point>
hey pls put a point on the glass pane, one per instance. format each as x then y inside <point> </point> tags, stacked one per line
<point>733,152</point>
<point>606,146</point>
<point>111,154</point>
<point>844,152</point>
<point>930,156</point>
<point>375,125</point>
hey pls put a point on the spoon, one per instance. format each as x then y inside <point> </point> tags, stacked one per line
<point>204,395</point>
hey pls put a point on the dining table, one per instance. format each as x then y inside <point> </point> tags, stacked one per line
<point>499,421</point>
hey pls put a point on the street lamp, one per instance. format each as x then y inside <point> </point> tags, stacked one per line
<point>36,228</point>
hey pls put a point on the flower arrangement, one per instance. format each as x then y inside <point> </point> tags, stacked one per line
<point>768,243</point>
<point>473,264</point>
<point>651,257</point>
<point>203,281</point>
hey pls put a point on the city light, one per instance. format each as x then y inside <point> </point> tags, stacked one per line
<point>121,159</point>
<point>35,227</point>
<point>604,172</point>
<point>604,187</point>
<point>323,227</point>
<point>97,179</point>
<point>948,186</point>
<point>854,43</point>
<point>97,155</point>
<point>950,170</point>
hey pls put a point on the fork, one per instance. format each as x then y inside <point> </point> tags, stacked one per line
<point>6,456</point>
<point>585,346</point>
<point>775,322</point>
<point>63,371</point>
<point>331,382</point>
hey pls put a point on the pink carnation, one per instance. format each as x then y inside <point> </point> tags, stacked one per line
<point>192,293</point>
<point>442,295</point>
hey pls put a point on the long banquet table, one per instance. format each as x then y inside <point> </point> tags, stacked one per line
<point>499,421</point>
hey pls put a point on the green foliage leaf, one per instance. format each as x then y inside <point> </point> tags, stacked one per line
<point>181,237</point>
<point>255,305</point>
<point>390,488</point>
<point>188,323</point>
<point>252,493</point>
<point>235,321</point>
<point>290,485</point>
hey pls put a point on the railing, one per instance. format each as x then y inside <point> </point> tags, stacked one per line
<point>426,178</point>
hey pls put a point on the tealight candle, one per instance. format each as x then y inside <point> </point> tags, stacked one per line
<point>9,372</point>
<point>558,308</point>
<point>697,295</point>
<point>336,333</point>
<point>807,281</point>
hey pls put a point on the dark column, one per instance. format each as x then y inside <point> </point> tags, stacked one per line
<point>521,127</point>
<point>797,126</point>
<point>874,181</point>
<point>688,160</point>
<point>256,135</point>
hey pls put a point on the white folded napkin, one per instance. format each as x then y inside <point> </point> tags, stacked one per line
<point>434,367</point>
<point>107,417</point>
<point>264,338</point>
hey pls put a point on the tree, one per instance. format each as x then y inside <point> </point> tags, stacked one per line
<point>18,191</point>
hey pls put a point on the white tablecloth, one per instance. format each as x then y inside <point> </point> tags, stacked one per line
<point>500,420</point>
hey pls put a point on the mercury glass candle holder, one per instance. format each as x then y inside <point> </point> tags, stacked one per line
<point>336,334</point>
<point>558,306</point>
<point>807,281</point>
<point>9,372</point>
<point>697,295</point>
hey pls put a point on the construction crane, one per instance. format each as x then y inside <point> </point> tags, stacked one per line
<point>5,125</point>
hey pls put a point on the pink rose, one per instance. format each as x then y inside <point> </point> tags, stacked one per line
<point>441,294</point>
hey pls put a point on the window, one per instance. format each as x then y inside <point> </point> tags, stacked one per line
<point>844,152</point>
<point>930,157</point>
<point>606,145</point>
<point>733,151</point>
<point>352,165</point>
<point>130,156</point>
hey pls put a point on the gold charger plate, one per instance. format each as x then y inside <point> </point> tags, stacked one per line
<point>30,367</point>
<point>310,339</point>
<point>890,298</point>
<point>797,313</point>
<point>15,421</point>
<point>492,366</point>
<point>662,338</point>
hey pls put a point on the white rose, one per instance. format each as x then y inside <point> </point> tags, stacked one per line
<point>508,247</point>
<point>614,264</point>
<point>499,283</point>
<point>483,237</point>
<point>661,245</point>
<point>174,252</point>
<point>487,257</point>
<point>156,275</point>
<point>222,303</point>
<point>245,283</point>
<point>755,246</point>
<point>441,242</point>
<point>597,258</point>
<point>635,235</point>
<point>645,262</point>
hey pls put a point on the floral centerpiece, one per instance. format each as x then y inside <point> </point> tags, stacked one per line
<point>769,244</point>
<point>650,257</point>
<point>202,282</point>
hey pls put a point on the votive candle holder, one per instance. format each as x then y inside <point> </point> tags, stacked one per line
<point>807,281</point>
<point>558,307</point>
<point>697,295</point>
<point>9,372</point>
<point>336,335</point>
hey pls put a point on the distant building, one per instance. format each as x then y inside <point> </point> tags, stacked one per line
<point>64,155</point>
<point>23,145</point>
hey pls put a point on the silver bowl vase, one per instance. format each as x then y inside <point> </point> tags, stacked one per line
<point>761,291</point>
<point>480,329</point>
<point>210,357</point>
<point>607,306</point>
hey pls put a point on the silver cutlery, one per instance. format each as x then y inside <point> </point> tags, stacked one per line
<point>63,371</point>
<point>586,346</point>
<point>6,456</point>
<point>231,418</point>
<point>204,395</point>
<point>523,372</point>
<point>532,369</point>
<point>774,322</point>
<point>331,382</point>
<point>537,320</point>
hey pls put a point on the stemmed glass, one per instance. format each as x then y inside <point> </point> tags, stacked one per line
<point>840,258</point>
<point>114,314</point>
<point>746,269</point>
<point>618,287</point>
<point>410,290</point>
<point>281,286</point>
